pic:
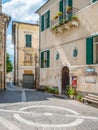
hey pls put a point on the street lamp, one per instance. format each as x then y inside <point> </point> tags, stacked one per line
<point>36,76</point>
<point>1,77</point>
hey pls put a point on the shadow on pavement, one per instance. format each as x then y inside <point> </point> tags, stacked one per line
<point>13,94</point>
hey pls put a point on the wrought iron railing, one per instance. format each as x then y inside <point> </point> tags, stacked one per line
<point>64,18</point>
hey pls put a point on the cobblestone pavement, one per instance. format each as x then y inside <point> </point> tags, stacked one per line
<point>22,109</point>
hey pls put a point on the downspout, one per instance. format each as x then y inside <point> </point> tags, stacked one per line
<point>39,54</point>
<point>17,54</point>
<point>5,26</point>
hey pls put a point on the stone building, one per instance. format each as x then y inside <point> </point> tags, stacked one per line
<point>69,44</point>
<point>25,38</point>
<point>4,21</point>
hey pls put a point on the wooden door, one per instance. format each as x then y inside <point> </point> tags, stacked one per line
<point>65,79</point>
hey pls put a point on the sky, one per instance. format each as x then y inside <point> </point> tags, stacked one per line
<point>21,11</point>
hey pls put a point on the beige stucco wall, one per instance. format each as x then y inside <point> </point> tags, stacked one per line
<point>63,42</point>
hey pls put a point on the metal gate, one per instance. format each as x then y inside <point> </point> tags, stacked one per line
<point>28,81</point>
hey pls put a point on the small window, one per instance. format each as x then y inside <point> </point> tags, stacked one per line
<point>28,40</point>
<point>75,52</point>
<point>57,56</point>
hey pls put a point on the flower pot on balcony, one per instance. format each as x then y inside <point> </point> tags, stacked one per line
<point>75,23</point>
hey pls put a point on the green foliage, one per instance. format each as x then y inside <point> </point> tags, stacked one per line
<point>75,18</point>
<point>70,91</point>
<point>9,66</point>
<point>51,90</point>
<point>60,13</point>
<point>79,97</point>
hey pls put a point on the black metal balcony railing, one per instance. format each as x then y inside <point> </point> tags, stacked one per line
<point>64,18</point>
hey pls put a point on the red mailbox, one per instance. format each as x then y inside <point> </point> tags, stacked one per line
<point>74,81</point>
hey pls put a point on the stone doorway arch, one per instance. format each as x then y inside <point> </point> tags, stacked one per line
<point>65,79</point>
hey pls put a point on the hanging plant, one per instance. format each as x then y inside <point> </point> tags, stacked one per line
<point>75,18</point>
<point>69,9</point>
<point>60,13</point>
<point>55,17</point>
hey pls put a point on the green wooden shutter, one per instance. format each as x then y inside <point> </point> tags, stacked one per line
<point>94,0</point>
<point>61,10</point>
<point>42,23</point>
<point>26,40</point>
<point>29,40</point>
<point>42,58</point>
<point>48,19</point>
<point>70,4</point>
<point>89,50</point>
<point>48,58</point>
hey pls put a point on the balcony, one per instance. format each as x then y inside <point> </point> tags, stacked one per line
<point>64,21</point>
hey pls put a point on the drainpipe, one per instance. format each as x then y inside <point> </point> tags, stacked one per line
<point>5,26</point>
<point>39,55</point>
<point>18,54</point>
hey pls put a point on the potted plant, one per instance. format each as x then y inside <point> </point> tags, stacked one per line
<point>75,18</point>
<point>56,16</point>
<point>79,97</point>
<point>75,21</point>
<point>69,9</point>
<point>59,14</point>
<point>71,92</point>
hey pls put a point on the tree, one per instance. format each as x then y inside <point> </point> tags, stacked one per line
<point>9,65</point>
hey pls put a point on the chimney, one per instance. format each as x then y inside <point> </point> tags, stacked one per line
<point>0,6</point>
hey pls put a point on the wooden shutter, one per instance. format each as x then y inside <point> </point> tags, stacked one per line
<point>48,19</point>
<point>48,58</point>
<point>89,50</point>
<point>42,23</point>
<point>29,40</point>
<point>61,10</point>
<point>94,0</point>
<point>42,58</point>
<point>70,3</point>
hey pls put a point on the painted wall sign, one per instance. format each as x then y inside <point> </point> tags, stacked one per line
<point>90,79</point>
<point>90,71</point>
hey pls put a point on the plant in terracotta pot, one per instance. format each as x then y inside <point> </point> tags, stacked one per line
<point>60,14</point>
<point>69,9</point>
<point>71,92</point>
<point>75,21</point>
<point>75,18</point>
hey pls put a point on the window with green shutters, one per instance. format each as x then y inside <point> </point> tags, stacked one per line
<point>28,40</point>
<point>45,59</point>
<point>63,5</point>
<point>45,21</point>
<point>92,50</point>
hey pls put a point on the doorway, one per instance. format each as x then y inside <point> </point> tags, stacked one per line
<point>65,79</point>
<point>28,81</point>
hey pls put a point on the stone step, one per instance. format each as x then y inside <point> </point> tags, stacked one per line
<point>87,99</point>
<point>92,95</point>
<point>93,98</point>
